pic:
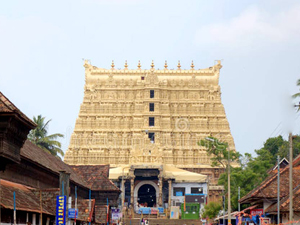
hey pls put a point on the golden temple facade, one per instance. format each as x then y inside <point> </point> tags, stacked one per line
<point>145,116</point>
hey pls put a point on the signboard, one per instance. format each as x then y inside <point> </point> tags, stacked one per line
<point>116,214</point>
<point>72,213</point>
<point>61,202</point>
<point>179,193</point>
<point>160,209</point>
<point>254,212</point>
<point>265,220</point>
<point>154,210</point>
<point>175,211</point>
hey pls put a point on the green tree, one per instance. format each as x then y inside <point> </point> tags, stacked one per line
<point>285,148</point>
<point>211,210</point>
<point>273,145</point>
<point>40,137</point>
<point>218,151</point>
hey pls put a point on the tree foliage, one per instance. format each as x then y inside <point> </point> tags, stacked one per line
<point>218,151</point>
<point>252,170</point>
<point>296,95</point>
<point>211,210</point>
<point>40,137</point>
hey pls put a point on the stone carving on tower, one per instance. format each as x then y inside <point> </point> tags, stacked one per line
<point>145,116</point>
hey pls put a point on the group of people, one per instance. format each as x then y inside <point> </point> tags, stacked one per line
<point>142,204</point>
<point>144,221</point>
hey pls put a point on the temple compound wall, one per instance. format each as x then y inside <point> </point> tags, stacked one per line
<point>144,116</point>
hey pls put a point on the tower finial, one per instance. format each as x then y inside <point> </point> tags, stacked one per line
<point>178,66</point>
<point>139,65</point>
<point>112,64</point>
<point>126,66</point>
<point>192,65</point>
<point>166,65</point>
<point>152,64</point>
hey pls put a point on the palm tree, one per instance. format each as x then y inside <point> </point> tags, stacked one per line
<point>297,95</point>
<point>46,142</point>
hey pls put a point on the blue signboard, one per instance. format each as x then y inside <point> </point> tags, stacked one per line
<point>61,202</point>
<point>179,193</point>
<point>72,213</point>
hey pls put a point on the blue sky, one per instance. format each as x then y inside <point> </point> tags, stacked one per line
<point>42,44</point>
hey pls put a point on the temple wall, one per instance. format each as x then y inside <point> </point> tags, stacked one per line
<point>113,124</point>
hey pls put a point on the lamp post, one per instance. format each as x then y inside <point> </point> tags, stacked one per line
<point>229,203</point>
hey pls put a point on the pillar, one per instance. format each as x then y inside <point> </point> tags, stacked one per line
<point>160,203</point>
<point>34,219</point>
<point>170,192</point>
<point>132,191</point>
<point>123,192</point>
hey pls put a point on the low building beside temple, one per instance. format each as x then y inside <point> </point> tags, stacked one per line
<point>263,199</point>
<point>31,179</point>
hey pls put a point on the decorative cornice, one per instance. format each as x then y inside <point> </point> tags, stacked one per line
<point>211,71</point>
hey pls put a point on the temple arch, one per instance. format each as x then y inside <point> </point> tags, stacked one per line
<point>139,185</point>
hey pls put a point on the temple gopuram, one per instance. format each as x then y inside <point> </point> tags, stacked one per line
<point>145,123</point>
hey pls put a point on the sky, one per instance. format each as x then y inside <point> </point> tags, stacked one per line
<point>43,44</point>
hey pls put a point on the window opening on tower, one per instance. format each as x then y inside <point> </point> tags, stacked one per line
<point>151,121</point>
<point>151,107</point>
<point>151,93</point>
<point>151,136</point>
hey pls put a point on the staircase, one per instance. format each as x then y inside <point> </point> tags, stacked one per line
<point>155,221</point>
<point>160,219</point>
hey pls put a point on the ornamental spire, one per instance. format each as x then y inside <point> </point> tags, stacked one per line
<point>178,66</point>
<point>192,65</point>
<point>112,64</point>
<point>152,64</point>
<point>166,65</point>
<point>126,66</point>
<point>139,65</point>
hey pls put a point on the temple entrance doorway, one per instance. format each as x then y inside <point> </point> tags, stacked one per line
<point>147,196</point>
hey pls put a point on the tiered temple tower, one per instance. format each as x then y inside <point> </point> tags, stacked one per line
<point>143,116</point>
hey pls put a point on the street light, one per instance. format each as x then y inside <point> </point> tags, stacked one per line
<point>229,203</point>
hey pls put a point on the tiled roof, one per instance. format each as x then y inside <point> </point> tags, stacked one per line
<point>96,177</point>
<point>284,203</point>
<point>7,106</point>
<point>26,198</point>
<point>33,153</point>
<point>268,188</point>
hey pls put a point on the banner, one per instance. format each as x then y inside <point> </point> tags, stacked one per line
<point>61,202</point>
<point>254,212</point>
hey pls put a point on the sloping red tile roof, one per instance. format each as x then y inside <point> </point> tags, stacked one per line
<point>33,153</point>
<point>268,188</point>
<point>6,106</point>
<point>284,203</point>
<point>96,177</point>
<point>26,198</point>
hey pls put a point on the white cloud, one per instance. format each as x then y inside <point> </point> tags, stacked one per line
<point>253,26</point>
